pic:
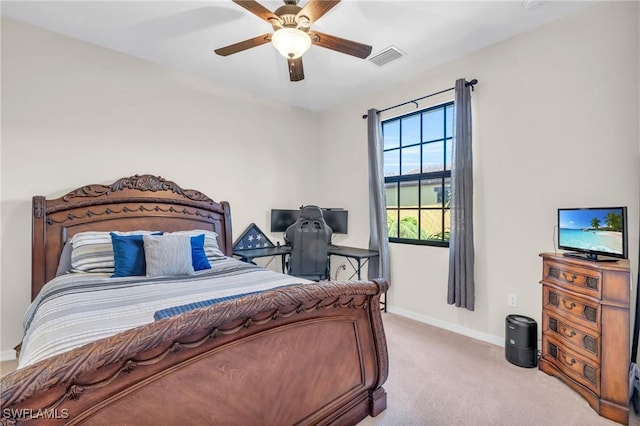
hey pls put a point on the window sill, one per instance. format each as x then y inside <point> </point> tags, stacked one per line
<point>420,242</point>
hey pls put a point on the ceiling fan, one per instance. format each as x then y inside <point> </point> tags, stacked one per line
<point>292,35</point>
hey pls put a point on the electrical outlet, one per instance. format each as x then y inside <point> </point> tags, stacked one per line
<point>512,300</point>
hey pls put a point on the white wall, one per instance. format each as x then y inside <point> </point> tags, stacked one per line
<point>555,125</point>
<point>74,114</point>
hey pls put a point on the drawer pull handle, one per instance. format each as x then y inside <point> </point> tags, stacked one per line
<point>571,334</point>
<point>567,279</point>
<point>567,360</point>
<point>568,306</point>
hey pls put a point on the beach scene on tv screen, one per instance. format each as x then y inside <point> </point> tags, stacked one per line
<point>591,229</point>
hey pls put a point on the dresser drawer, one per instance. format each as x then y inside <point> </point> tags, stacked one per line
<point>584,341</point>
<point>580,369</point>
<point>579,309</point>
<point>574,278</point>
<point>585,330</point>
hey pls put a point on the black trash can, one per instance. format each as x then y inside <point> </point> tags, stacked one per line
<point>521,341</point>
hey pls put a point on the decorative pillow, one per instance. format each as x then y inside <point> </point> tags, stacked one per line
<point>92,251</point>
<point>198,256</point>
<point>128,255</point>
<point>64,264</point>
<point>168,255</point>
<point>211,247</point>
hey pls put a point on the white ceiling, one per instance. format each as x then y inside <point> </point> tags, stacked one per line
<point>183,35</point>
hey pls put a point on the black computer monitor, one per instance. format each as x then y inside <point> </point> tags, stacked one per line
<point>337,219</point>
<point>281,219</point>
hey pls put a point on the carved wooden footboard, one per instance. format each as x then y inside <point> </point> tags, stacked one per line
<point>308,354</point>
<point>303,354</point>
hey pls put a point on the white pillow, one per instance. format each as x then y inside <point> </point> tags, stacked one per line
<point>168,255</point>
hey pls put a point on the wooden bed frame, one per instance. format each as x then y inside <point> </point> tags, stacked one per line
<point>308,354</point>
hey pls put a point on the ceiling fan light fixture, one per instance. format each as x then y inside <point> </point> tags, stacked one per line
<point>291,42</point>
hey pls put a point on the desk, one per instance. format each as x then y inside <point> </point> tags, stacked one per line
<point>357,254</point>
<point>250,254</point>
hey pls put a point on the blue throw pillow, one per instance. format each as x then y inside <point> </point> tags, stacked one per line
<point>198,255</point>
<point>128,255</point>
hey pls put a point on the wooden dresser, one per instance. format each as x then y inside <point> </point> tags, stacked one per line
<point>585,330</point>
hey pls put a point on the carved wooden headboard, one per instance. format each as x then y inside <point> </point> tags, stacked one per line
<point>138,202</point>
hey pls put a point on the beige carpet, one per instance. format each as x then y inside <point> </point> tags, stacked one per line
<point>437,377</point>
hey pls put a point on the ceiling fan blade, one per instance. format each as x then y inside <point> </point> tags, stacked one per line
<point>342,45</point>
<point>257,9</point>
<point>244,45</point>
<point>314,9</point>
<point>296,73</point>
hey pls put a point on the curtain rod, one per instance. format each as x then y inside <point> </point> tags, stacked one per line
<point>415,101</point>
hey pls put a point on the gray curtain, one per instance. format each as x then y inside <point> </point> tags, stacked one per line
<point>461,291</point>
<point>378,240</point>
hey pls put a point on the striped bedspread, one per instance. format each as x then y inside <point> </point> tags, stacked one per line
<point>75,309</point>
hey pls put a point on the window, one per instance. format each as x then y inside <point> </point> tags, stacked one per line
<point>417,175</point>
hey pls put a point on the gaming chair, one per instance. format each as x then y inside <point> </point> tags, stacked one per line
<point>309,238</point>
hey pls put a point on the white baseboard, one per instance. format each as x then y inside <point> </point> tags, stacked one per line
<point>474,334</point>
<point>8,355</point>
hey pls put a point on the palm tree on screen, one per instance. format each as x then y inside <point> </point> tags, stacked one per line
<point>614,221</point>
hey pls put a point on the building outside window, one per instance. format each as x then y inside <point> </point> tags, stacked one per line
<point>417,169</point>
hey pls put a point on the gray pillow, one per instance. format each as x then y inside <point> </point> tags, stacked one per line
<point>211,247</point>
<point>64,265</point>
<point>168,255</point>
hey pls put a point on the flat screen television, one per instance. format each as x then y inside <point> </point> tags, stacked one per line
<point>594,231</point>
<point>337,219</point>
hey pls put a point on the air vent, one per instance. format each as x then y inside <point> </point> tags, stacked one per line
<point>387,55</point>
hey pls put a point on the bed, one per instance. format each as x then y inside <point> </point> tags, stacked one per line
<point>293,352</point>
